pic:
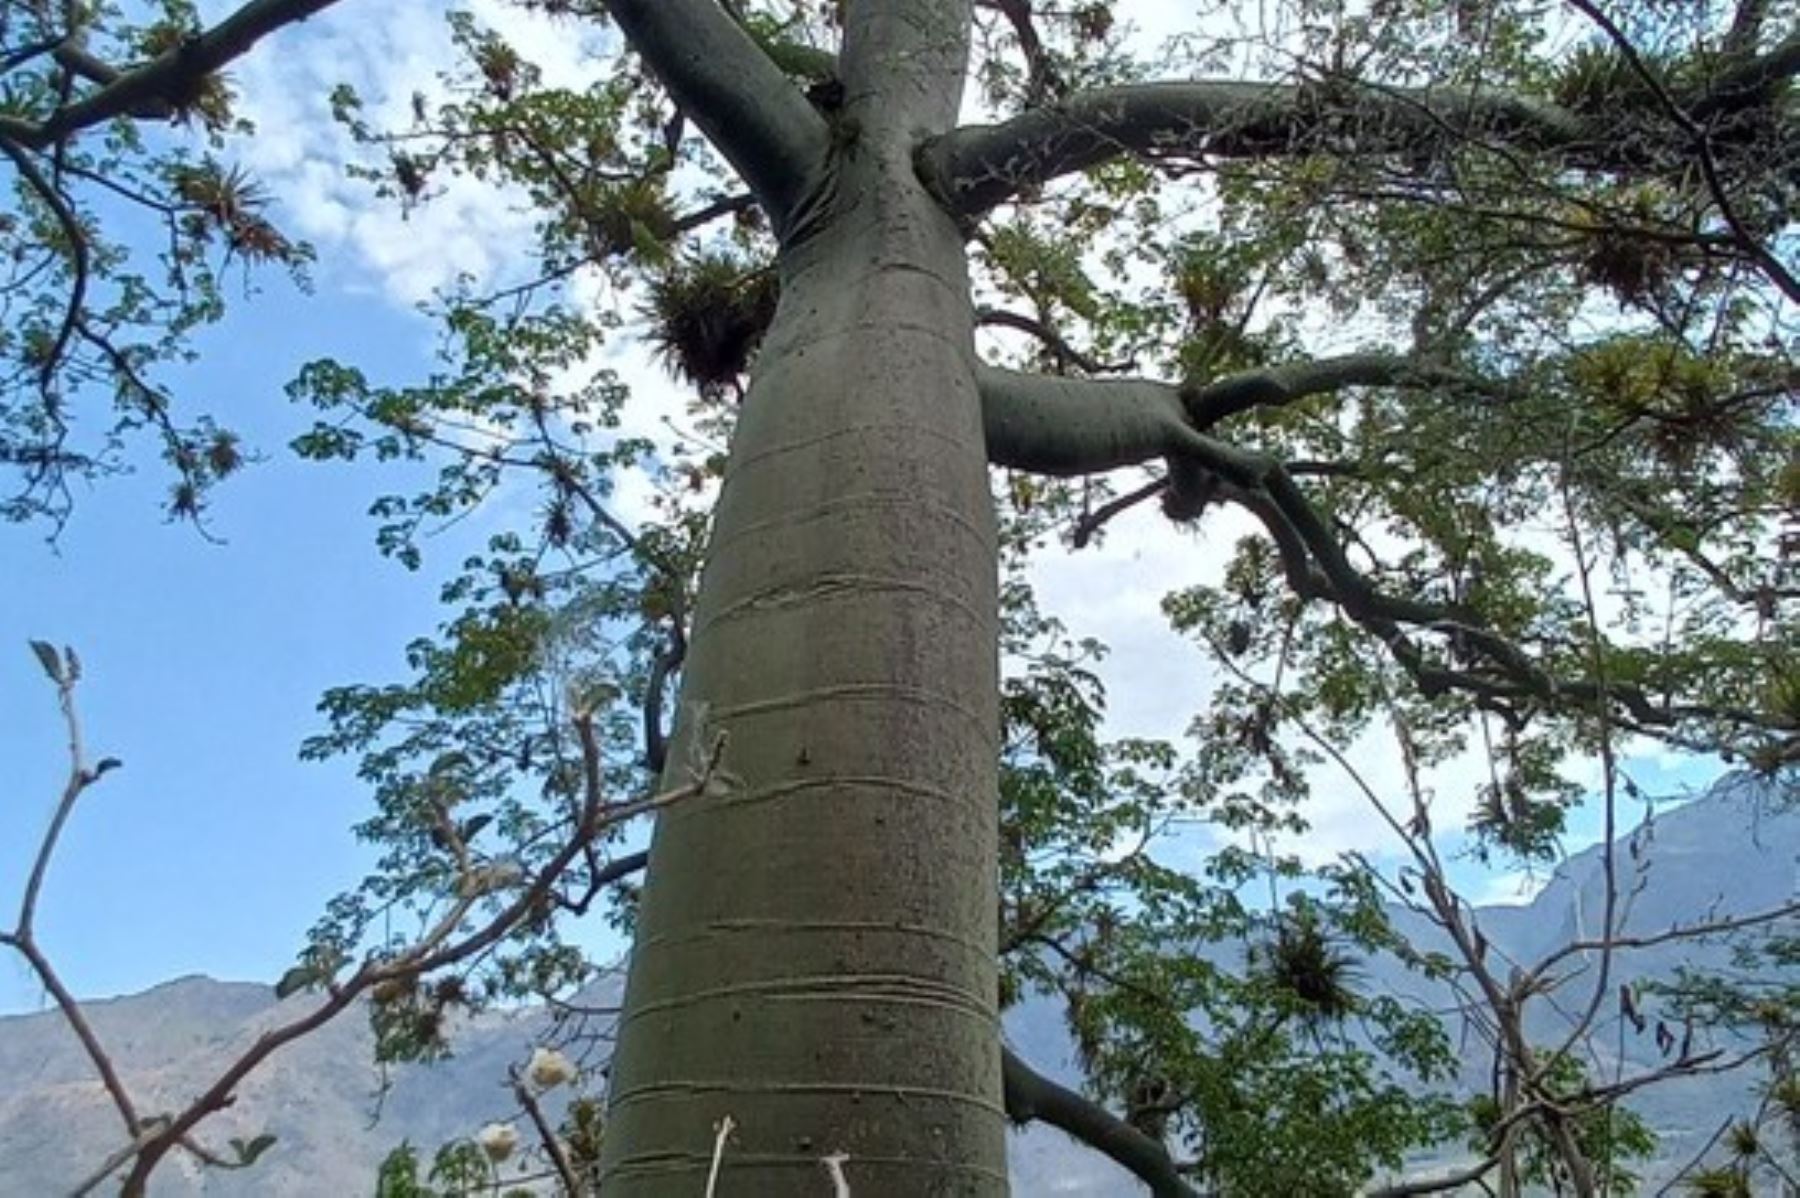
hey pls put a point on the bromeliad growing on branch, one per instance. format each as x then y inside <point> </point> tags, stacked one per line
<point>1481,316</point>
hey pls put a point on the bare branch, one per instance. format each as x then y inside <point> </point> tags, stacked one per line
<point>1699,931</point>
<point>1032,1096</point>
<point>559,1156</point>
<point>1059,347</point>
<point>1097,519</point>
<point>151,1140</point>
<point>1044,82</point>
<point>66,671</point>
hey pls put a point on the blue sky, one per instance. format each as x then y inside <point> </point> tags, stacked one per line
<point>214,848</point>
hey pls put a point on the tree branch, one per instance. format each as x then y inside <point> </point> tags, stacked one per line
<point>65,671</point>
<point>1060,426</point>
<point>1043,80</point>
<point>1437,1185</point>
<point>1059,347</point>
<point>1094,521</point>
<point>746,107</point>
<point>1046,424</point>
<point>1747,241</point>
<point>79,267</point>
<point>1749,83</point>
<point>1290,382</point>
<point>977,167</point>
<point>553,1146</point>
<point>1032,1096</point>
<point>150,1140</point>
<point>168,74</point>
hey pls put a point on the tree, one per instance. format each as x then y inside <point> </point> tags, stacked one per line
<point>1388,283</point>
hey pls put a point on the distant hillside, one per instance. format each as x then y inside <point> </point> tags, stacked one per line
<point>1729,851</point>
<point>1735,850</point>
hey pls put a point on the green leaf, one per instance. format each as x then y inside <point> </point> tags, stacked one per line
<point>46,655</point>
<point>247,1151</point>
<point>295,980</point>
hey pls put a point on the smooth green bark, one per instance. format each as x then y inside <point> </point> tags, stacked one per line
<point>816,949</point>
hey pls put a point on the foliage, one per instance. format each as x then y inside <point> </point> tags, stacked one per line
<point>88,310</point>
<point>1570,516</point>
<point>1610,1137</point>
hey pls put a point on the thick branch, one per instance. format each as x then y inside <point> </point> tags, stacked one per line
<point>977,167</point>
<point>1064,426</point>
<point>743,103</point>
<point>1032,1096</point>
<point>1291,382</point>
<point>1437,1185</point>
<point>1059,426</point>
<point>171,73</point>
<point>1053,425</point>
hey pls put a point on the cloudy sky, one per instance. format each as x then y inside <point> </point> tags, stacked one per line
<point>214,848</point>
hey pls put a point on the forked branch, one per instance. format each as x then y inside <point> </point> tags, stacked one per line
<point>1060,426</point>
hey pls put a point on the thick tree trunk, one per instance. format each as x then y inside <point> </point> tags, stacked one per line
<point>815,952</point>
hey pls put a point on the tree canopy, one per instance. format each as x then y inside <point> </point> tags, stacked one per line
<point>1457,340</point>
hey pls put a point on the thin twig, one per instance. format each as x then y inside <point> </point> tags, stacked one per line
<point>724,1126</point>
<point>546,1135</point>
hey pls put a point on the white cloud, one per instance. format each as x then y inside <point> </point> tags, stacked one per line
<point>1113,590</point>
<point>388,53</point>
<point>1514,888</point>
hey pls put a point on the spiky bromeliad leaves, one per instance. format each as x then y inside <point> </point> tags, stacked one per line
<point>1477,320</point>
<point>708,315</point>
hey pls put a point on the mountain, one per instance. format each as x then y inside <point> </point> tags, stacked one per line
<point>1733,850</point>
